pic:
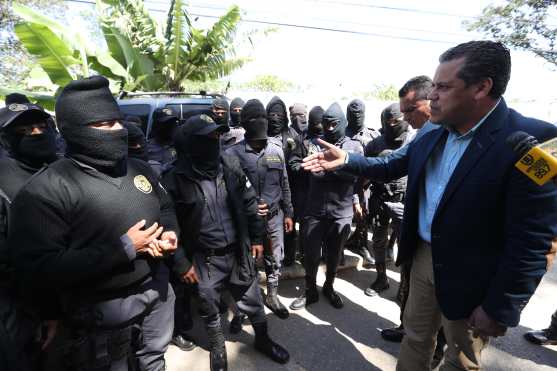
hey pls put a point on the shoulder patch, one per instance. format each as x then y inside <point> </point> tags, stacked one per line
<point>142,183</point>
<point>16,107</point>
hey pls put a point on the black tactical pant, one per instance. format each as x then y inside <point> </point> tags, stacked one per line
<point>125,333</point>
<point>19,351</point>
<point>329,233</point>
<point>183,319</point>
<point>382,219</point>
<point>299,195</point>
<point>274,246</point>
<point>214,277</point>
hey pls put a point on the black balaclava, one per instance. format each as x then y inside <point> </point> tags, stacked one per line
<point>235,116</point>
<point>15,98</point>
<point>254,120</point>
<point>298,117</point>
<point>33,150</point>
<point>394,131</point>
<point>136,137</point>
<point>198,153</point>
<point>315,122</point>
<point>84,102</point>
<point>279,123</point>
<point>355,114</point>
<point>221,104</point>
<point>164,125</point>
<point>334,114</point>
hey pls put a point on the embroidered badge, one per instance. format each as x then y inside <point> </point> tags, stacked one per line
<point>16,107</point>
<point>206,118</point>
<point>141,183</point>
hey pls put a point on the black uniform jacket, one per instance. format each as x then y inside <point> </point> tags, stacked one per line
<point>189,202</point>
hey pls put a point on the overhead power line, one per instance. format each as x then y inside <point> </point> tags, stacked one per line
<point>249,12</point>
<point>362,5</point>
<point>308,27</point>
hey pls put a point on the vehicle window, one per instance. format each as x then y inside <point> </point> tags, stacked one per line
<point>139,110</point>
<point>189,110</point>
<point>176,110</point>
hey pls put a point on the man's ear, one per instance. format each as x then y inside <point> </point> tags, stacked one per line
<point>483,88</point>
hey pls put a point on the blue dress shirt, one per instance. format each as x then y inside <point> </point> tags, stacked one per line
<point>438,171</point>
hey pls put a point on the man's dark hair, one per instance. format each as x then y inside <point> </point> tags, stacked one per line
<point>483,59</point>
<point>422,85</point>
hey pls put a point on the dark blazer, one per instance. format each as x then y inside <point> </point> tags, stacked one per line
<point>189,202</point>
<point>493,228</point>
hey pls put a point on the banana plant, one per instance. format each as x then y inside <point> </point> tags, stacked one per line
<point>139,55</point>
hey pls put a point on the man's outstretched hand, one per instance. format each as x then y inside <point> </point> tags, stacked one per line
<point>329,159</point>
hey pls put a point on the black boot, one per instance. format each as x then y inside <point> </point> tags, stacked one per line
<point>217,349</point>
<point>394,334</point>
<point>273,303</point>
<point>439,349</point>
<point>309,297</point>
<point>369,260</point>
<point>265,345</point>
<point>332,295</point>
<point>236,323</point>
<point>183,341</point>
<point>381,282</point>
<point>546,336</point>
<point>289,248</point>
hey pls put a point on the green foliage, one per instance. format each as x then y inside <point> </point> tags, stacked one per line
<point>182,55</point>
<point>524,24</point>
<point>15,62</point>
<point>45,99</point>
<point>139,56</point>
<point>384,92</point>
<point>269,83</point>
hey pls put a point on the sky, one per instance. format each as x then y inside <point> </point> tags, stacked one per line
<point>394,41</point>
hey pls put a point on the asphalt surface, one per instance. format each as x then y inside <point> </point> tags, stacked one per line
<point>324,338</point>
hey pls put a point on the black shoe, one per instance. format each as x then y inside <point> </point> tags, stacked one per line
<point>182,342</point>
<point>369,263</point>
<point>273,303</point>
<point>438,355</point>
<point>217,350</point>
<point>333,296</point>
<point>236,323</point>
<point>543,337</point>
<point>381,282</point>
<point>364,253</point>
<point>394,334</point>
<point>265,345</point>
<point>287,262</point>
<point>375,289</point>
<point>309,297</point>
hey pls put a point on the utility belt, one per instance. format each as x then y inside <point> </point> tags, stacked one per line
<point>227,250</point>
<point>271,214</point>
<point>92,349</point>
<point>211,253</point>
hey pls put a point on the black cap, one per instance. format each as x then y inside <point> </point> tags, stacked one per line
<point>86,101</point>
<point>200,125</point>
<point>16,98</point>
<point>28,111</point>
<point>163,115</point>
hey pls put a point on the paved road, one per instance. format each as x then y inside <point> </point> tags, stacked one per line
<point>326,339</point>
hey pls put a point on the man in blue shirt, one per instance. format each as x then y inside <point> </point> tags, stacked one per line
<point>477,232</point>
